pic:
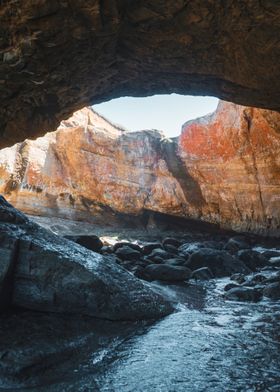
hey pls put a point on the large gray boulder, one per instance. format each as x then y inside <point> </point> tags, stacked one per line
<point>220,262</point>
<point>169,273</point>
<point>53,274</point>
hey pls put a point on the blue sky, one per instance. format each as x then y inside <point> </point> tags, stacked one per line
<point>164,112</point>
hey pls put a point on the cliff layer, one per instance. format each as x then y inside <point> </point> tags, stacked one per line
<point>224,169</point>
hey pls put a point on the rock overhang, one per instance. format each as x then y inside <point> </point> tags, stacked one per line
<point>60,56</point>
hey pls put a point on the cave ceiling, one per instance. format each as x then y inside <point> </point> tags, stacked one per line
<point>58,56</point>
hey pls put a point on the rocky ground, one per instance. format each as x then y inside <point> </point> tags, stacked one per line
<point>40,349</point>
<point>253,268</point>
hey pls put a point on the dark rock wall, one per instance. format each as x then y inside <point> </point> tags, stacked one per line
<point>58,56</point>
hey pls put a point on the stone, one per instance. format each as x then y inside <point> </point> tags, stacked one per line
<point>230,286</point>
<point>127,253</point>
<point>243,294</point>
<point>220,262</point>
<point>170,249</point>
<point>268,254</point>
<point>274,261</point>
<point>236,244</point>
<point>275,277</point>
<point>118,245</point>
<point>148,248</point>
<point>171,241</point>
<point>239,278</point>
<point>272,291</point>
<point>255,280</point>
<point>168,273</point>
<point>190,247</point>
<point>214,244</point>
<point>106,249</point>
<point>163,254</point>
<point>91,242</point>
<point>252,259</point>
<point>175,261</point>
<point>135,47</point>
<point>52,274</point>
<point>203,273</point>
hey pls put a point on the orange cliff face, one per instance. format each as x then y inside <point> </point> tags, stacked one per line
<point>234,155</point>
<point>90,169</point>
<point>224,169</point>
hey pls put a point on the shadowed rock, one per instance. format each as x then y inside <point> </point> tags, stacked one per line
<point>57,58</point>
<point>54,274</point>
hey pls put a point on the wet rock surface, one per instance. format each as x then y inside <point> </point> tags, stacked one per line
<point>233,320</point>
<point>62,353</point>
<point>45,272</point>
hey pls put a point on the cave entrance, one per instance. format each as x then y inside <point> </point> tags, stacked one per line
<point>166,113</point>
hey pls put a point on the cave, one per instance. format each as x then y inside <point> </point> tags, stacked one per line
<point>186,295</point>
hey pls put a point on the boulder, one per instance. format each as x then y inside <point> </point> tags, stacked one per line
<point>274,261</point>
<point>119,245</point>
<point>106,250</point>
<point>269,253</point>
<point>220,262</point>
<point>168,273</point>
<point>175,261</point>
<point>92,242</point>
<point>252,259</point>
<point>171,241</point>
<point>163,254</point>
<point>148,248</point>
<point>255,280</point>
<point>239,278</point>
<point>235,244</point>
<point>52,274</point>
<point>273,278</point>
<point>154,260</point>
<point>203,273</point>
<point>213,244</point>
<point>190,247</point>
<point>272,291</point>
<point>230,286</point>
<point>243,294</point>
<point>170,249</point>
<point>127,253</point>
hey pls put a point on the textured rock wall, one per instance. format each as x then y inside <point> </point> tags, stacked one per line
<point>224,169</point>
<point>59,56</point>
<point>233,155</point>
<point>89,169</point>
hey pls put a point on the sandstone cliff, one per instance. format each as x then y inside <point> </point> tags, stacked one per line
<point>90,169</point>
<point>233,155</point>
<point>224,169</point>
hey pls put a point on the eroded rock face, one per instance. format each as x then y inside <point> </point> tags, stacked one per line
<point>91,170</point>
<point>58,56</point>
<point>223,169</point>
<point>51,274</point>
<point>233,155</point>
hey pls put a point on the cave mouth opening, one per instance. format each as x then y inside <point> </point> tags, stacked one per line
<point>166,112</point>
